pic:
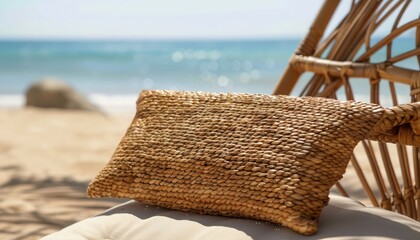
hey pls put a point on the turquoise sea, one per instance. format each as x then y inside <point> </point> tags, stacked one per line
<point>112,73</point>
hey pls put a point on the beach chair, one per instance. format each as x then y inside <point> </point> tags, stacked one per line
<point>338,62</point>
<point>344,59</point>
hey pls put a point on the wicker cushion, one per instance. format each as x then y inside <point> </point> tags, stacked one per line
<point>271,158</point>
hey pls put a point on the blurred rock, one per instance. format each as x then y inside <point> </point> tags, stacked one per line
<point>53,93</point>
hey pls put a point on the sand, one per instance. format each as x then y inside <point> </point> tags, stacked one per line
<point>58,142</point>
<point>47,158</point>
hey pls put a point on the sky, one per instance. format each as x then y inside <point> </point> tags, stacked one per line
<point>158,19</point>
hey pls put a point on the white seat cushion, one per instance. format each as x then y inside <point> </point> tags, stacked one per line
<point>343,218</point>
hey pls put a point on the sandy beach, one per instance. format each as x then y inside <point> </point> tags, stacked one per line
<point>47,158</point>
<point>58,143</point>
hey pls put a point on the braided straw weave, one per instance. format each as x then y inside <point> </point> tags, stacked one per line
<point>271,158</point>
<point>400,124</point>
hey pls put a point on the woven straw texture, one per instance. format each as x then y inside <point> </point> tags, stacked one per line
<point>271,158</point>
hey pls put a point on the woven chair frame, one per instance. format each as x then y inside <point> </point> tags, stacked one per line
<point>335,61</point>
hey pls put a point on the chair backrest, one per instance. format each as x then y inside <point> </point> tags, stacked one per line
<point>342,67</point>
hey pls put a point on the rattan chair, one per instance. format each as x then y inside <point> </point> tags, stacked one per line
<point>343,59</point>
<point>338,62</point>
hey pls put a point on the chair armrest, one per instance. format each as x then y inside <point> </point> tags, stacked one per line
<point>399,124</point>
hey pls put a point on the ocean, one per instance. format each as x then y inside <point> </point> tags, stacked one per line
<point>112,73</point>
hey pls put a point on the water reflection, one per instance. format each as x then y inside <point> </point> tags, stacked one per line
<point>223,81</point>
<point>148,83</point>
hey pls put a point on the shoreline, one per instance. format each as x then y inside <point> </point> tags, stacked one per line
<point>108,103</point>
<point>126,103</point>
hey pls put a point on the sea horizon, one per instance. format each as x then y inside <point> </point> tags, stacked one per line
<point>111,72</point>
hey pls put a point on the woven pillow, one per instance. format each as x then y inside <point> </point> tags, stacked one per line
<point>271,158</point>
